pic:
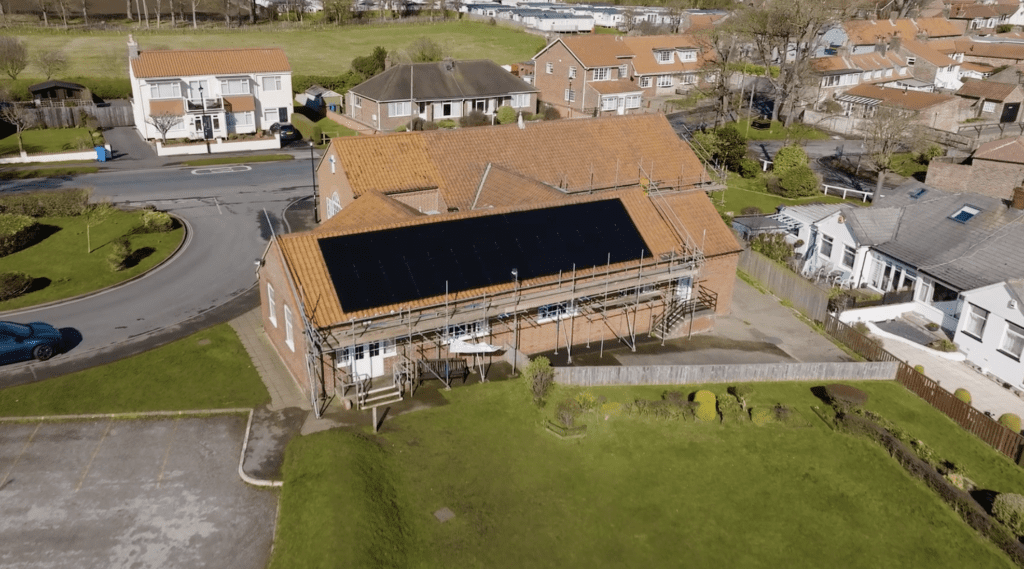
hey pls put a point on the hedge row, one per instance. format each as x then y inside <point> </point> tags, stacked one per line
<point>105,88</point>
<point>16,232</point>
<point>60,203</point>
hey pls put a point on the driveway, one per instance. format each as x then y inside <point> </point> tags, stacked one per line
<point>126,143</point>
<point>141,494</point>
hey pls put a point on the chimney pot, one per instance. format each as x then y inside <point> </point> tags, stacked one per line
<point>133,48</point>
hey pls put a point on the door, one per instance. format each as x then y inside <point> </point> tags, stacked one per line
<point>1010,112</point>
<point>622,106</point>
<point>684,288</point>
<point>282,114</point>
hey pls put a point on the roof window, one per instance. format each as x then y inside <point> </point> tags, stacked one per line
<point>965,214</point>
<point>920,192</point>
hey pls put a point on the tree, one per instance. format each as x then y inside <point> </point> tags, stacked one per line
<point>13,56</point>
<point>719,43</point>
<point>94,216</point>
<point>370,65</point>
<point>888,131</point>
<point>51,62</point>
<point>21,117</point>
<point>164,122</point>
<point>423,50</point>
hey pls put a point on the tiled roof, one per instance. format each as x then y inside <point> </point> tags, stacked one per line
<point>927,53</point>
<point>864,32</point>
<point>900,98</point>
<point>644,47</point>
<point>308,269</point>
<point>875,60</point>
<point>832,64</point>
<point>371,209</point>
<point>573,155</point>
<point>991,90</point>
<point>174,107</point>
<point>969,11</point>
<point>240,103</point>
<point>979,67</point>
<point>614,87</point>
<point>939,27</point>
<point>991,49</point>
<point>442,80</point>
<point>700,22</point>
<point>192,62</point>
<point>501,188</point>
<point>598,50</point>
<point>1003,150</point>
<point>872,225</point>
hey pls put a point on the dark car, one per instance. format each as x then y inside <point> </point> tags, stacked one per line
<point>19,342</point>
<point>287,130</point>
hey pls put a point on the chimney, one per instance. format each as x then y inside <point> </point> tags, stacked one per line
<point>1017,202</point>
<point>133,48</point>
<point>880,45</point>
<point>895,42</point>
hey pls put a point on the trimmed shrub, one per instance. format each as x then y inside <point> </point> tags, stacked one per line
<point>751,210</point>
<point>120,251</point>
<point>773,246</point>
<point>781,413</point>
<point>586,400</point>
<point>1009,509</point>
<point>611,409</point>
<point>749,168</point>
<point>798,182</point>
<point>157,221</point>
<point>1010,421</point>
<point>706,412</point>
<point>58,203</point>
<point>730,409</point>
<point>475,118</point>
<point>16,232</point>
<point>845,397</point>
<point>944,345</point>
<point>963,395</point>
<point>539,376</point>
<point>919,368</point>
<point>446,123</point>
<point>761,416</point>
<point>507,115</point>
<point>788,158</point>
<point>550,113</point>
<point>705,396</point>
<point>741,392</point>
<point>303,125</point>
<point>13,285</point>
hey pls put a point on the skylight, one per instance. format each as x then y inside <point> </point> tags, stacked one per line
<point>919,193</point>
<point>965,214</point>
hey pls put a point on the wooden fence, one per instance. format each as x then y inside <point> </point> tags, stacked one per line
<point>984,427</point>
<point>69,117</point>
<point>804,295</point>
<point>729,373</point>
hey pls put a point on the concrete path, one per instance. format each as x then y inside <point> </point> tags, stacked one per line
<point>126,144</point>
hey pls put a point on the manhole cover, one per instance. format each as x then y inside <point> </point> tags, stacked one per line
<point>444,514</point>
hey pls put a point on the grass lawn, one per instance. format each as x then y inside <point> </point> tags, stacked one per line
<point>906,164</point>
<point>743,192</point>
<point>104,54</point>
<point>238,160</point>
<point>778,132</point>
<point>47,172</point>
<point>327,126</point>
<point>47,140</point>
<point>208,370</point>
<point>65,267</point>
<point>634,492</point>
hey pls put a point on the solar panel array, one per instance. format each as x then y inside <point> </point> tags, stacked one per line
<point>394,266</point>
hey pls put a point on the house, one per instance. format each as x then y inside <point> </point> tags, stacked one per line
<point>979,18</point>
<point>840,72</point>
<point>59,94</point>
<point>991,101</point>
<point>437,91</point>
<point>1000,163</point>
<point>214,92</point>
<point>606,74</point>
<point>861,36</point>
<point>990,331</point>
<point>826,243</point>
<point>519,266</point>
<point>929,65</point>
<point>934,110</point>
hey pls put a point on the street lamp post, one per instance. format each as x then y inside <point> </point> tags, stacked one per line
<point>316,198</point>
<point>204,119</point>
<point>515,313</point>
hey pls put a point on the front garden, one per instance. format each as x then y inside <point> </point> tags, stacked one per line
<point>52,140</point>
<point>654,480</point>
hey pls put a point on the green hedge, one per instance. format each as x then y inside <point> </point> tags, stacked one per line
<point>303,125</point>
<point>105,88</point>
<point>338,83</point>
<point>13,285</point>
<point>16,232</point>
<point>58,203</point>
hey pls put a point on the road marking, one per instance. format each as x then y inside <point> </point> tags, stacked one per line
<point>167,453</point>
<point>22,453</point>
<point>94,453</point>
<point>221,170</point>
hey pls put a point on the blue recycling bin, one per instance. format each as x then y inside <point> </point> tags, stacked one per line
<point>101,154</point>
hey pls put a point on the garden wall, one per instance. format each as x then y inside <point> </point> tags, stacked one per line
<point>804,295</point>
<point>26,158</point>
<point>217,146</point>
<point>739,373</point>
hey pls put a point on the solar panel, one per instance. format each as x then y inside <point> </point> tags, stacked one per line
<point>393,266</point>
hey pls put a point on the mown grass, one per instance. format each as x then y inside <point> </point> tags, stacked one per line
<point>795,132</point>
<point>64,266</point>
<point>48,140</point>
<point>743,192</point>
<point>47,172</point>
<point>208,370</point>
<point>105,54</point>
<point>634,492</point>
<point>907,164</point>
<point>238,160</point>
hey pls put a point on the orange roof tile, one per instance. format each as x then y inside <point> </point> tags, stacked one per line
<point>598,50</point>
<point>864,32</point>
<point>370,209</point>
<point>192,62</point>
<point>501,188</point>
<point>1003,150</point>
<point>927,53</point>
<point>644,47</point>
<point>900,98</point>
<point>240,103</point>
<point>388,164</point>
<point>174,107</point>
<point>613,87</point>
<point>990,90</point>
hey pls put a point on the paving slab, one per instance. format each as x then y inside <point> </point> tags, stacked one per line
<point>269,435</point>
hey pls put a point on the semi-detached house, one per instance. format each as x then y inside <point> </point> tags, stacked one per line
<point>219,91</point>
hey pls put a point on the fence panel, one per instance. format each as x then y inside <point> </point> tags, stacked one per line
<point>69,117</point>
<point>739,373</point>
<point>805,296</point>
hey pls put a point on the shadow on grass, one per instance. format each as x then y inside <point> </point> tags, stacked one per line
<point>819,392</point>
<point>137,256</point>
<point>41,233</point>
<point>38,283</point>
<point>70,339</point>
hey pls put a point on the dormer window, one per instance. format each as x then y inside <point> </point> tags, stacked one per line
<point>663,56</point>
<point>965,214</point>
<point>911,60</point>
<point>687,55</point>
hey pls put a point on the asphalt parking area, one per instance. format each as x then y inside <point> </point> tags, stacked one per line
<point>140,494</point>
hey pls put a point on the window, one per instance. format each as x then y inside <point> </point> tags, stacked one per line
<point>602,73</point>
<point>549,68</point>
<point>289,335</point>
<point>826,246</point>
<point>553,311</point>
<point>965,214</point>
<point>867,75</point>
<point>888,72</point>
<point>272,83</point>
<point>198,122</point>
<point>331,160</point>
<point>521,101</point>
<point>466,331</point>
<point>688,55</point>
<point>911,60</point>
<point>357,101</point>
<point>878,73</point>
<point>572,72</point>
<point>570,95</point>
<point>974,324</point>
<point>374,349</point>
<point>243,119</point>
<point>849,254</point>
<point>645,82</point>
<point>1013,341</point>
<point>988,107</point>
<point>270,116</point>
<point>194,91</point>
<point>608,103</point>
<point>234,86</point>
<point>271,305</point>
<point>688,79</point>
<point>663,56</point>
<point>165,90</point>
<point>623,71</point>
<point>400,109</point>
<point>333,205</point>
<point>903,70</point>
<point>830,81</point>
<point>664,81</point>
<point>632,101</point>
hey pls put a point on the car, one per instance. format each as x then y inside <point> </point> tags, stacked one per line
<point>20,342</point>
<point>287,130</point>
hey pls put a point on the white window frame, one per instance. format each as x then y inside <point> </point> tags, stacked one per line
<point>911,60</point>
<point>549,68</point>
<point>1012,343</point>
<point>273,80</point>
<point>466,331</point>
<point>454,107</point>
<point>826,243</point>
<point>247,118</point>
<point>609,103</point>
<point>333,205</point>
<point>645,82</point>
<point>632,101</point>
<point>663,57</point>
<point>271,305</point>
<point>665,81</point>
<point>687,55</point>
<point>556,311</point>
<point>572,72</point>
<point>851,253</point>
<point>400,109</point>
<point>888,72</point>
<point>570,95</point>
<point>623,71</point>
<point>867,76</point>
<point>229,86</point>
<point>357,101</point>
<point>331,160</point>
<point>602,73</point>
<point>270,116</point>
<point>967,209</point>
<point>289,334</point>
<point>988,107</point>
<point>197,122</point>
<point>156,88</point>
<point>520,100</point>
<point>975,319</point>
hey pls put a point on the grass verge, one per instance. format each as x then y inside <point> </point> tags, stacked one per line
<point>63,267</point>
<point>208,370</point>
<point>795,132</point>
<point>634,492</point>
<point>47,172</point>
<point>238,160</point>
<point>743,192</point>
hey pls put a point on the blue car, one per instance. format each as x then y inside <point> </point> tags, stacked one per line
<point>20,342</point>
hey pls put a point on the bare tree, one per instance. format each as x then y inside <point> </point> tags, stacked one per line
<point>20,116</point>
<point>164,122</point>
<point>51,62</point>
<point>194,4</point>
<point>85,12</point>
<point>13,56</point>
<point>159,12</point>
<point>128,9</point>
<point>888,131</point>
<point>62,5</point>
<point>719,48</point>
<point>44,7</point>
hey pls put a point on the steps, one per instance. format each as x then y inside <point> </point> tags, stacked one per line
<point>380,396</point>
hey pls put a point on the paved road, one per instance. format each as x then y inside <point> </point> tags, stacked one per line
<point>230,213</point>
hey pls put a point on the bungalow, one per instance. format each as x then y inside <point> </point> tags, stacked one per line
<point>999,163</point>
<point>990,331</point>
<point>934,109</point>
<point>991,101</point>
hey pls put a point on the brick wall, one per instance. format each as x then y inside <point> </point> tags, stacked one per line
<point>999,177</point>
<point>948,176</point>
<point>332,179</point>
<point>553,85</point>
<point>274,323</point>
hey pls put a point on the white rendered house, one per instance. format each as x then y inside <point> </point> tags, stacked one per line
<point>990,331</point>
<point>213,93</point>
